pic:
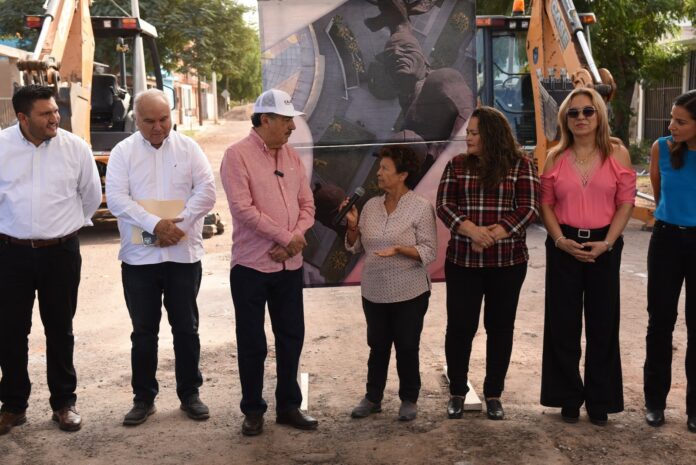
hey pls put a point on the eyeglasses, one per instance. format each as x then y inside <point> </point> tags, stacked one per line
<point>587,112</point>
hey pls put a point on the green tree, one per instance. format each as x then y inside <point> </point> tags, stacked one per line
<point>193,35</point>
<point>626,41</point>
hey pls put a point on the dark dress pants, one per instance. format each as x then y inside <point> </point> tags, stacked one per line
<point>466,289</point>
<point>282,291</point>
<point>401,324</point>
<point>570,286</point>
<point>671,261</point>
<point>54,273</point>
<point>143,287</point>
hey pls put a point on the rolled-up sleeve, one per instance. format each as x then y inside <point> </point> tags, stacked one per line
<point>526,199</point>
<point>447,198</point>
<point>426,235</point>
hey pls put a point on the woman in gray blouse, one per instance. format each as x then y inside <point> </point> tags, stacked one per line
<point>397,232</point>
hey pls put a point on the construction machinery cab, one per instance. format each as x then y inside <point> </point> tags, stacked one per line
<point>504,79</point>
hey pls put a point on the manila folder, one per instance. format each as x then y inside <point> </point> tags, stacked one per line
<point>163,208</point>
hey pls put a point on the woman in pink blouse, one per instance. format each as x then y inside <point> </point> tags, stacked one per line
<point>588,190</point>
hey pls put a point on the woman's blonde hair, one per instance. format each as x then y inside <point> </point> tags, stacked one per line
<point>603,138</point>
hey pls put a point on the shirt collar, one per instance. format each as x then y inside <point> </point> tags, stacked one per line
<point>165,142</point>
<point>258,141</point>
<point>20,134</point>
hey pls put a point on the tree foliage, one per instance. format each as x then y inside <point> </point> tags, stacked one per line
<point>626,41</point>
<point>193,35</point>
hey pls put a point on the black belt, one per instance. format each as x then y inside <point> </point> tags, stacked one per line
<point>584,235</point>
<point>36,243</point>
<point>674,227</point>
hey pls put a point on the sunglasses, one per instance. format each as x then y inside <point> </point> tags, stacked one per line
<point>587,112</point>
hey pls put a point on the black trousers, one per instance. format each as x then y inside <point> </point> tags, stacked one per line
<point>572,285</point>
<point>401,324</point>
<point>671,261</point>
<point>54,274</point>
<point>282,291</point>
<point>144,287</point>
<point>466,289</point>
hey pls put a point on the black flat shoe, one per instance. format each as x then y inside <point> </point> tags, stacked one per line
<point>297,419</point>
<point>599,419</point>
<point>455,407</point>
<point>655,417</point>
<point>494,409</point>
<point>691,423</point>
<point>570,414</point>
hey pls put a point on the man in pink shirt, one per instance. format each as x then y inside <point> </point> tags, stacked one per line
<point>272,208</point>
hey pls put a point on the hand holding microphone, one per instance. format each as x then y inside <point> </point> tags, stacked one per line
<point>348,210</point>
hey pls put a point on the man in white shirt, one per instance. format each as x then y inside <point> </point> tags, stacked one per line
<point>49,189</point>
<point>161,256</point>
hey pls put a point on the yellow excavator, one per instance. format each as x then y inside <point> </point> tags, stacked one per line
<point>94,103</point>
<point>527,65</point>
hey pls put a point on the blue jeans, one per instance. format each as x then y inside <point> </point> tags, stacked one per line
<point>144,286</point>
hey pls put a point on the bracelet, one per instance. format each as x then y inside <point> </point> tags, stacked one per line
<point>555,243</point>
<point>609,246</point>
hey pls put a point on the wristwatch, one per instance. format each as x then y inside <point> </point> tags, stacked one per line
<point>609,246</point>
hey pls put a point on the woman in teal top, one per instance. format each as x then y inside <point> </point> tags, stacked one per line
<point>672,260</point>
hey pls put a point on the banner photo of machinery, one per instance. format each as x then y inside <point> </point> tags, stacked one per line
<point>369,73</point>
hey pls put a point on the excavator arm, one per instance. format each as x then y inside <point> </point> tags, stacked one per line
<point>64,59</point>
<point>560,60</point>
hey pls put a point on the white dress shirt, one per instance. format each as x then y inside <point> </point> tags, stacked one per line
<point>178,170</point>
<point>49,191</point>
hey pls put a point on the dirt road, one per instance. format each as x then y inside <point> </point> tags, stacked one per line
<point>335,356</point>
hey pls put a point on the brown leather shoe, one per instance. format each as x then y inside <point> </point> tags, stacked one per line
<point>68,419</point>
<point>9,420</point>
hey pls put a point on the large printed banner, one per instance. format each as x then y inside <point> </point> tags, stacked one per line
<point>369,73</point>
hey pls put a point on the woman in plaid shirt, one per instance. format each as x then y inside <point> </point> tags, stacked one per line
<point>487,198</point>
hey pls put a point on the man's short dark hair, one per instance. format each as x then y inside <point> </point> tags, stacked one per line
<point>23,100</point>
<point>256,119</point>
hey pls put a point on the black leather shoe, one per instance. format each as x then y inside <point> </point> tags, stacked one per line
<point>253,424</point>
<point>139,413</point>
<point>195,409</point>
<point>297,419</point>
<point>494,409</point>
<point>599,419</point>
<point>655,417</point>
<point>455,407</point>
<point>691,423</point>
<point>570,414</point>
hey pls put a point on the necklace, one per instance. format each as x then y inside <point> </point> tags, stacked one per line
<point>584,166</point>
<point>583,160</point>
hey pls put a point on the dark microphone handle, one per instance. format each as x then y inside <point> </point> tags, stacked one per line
<point>344,211</point>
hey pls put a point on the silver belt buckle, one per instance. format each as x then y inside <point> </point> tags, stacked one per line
<point>584,233</point>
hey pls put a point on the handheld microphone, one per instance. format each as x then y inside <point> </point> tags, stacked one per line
<point>359,192</point>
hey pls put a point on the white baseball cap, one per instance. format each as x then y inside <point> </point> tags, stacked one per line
<point>275,101</point>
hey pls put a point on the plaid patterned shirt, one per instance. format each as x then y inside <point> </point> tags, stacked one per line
<point>514,204</point>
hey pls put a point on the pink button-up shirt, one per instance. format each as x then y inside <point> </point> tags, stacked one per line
<point>267,208</point>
